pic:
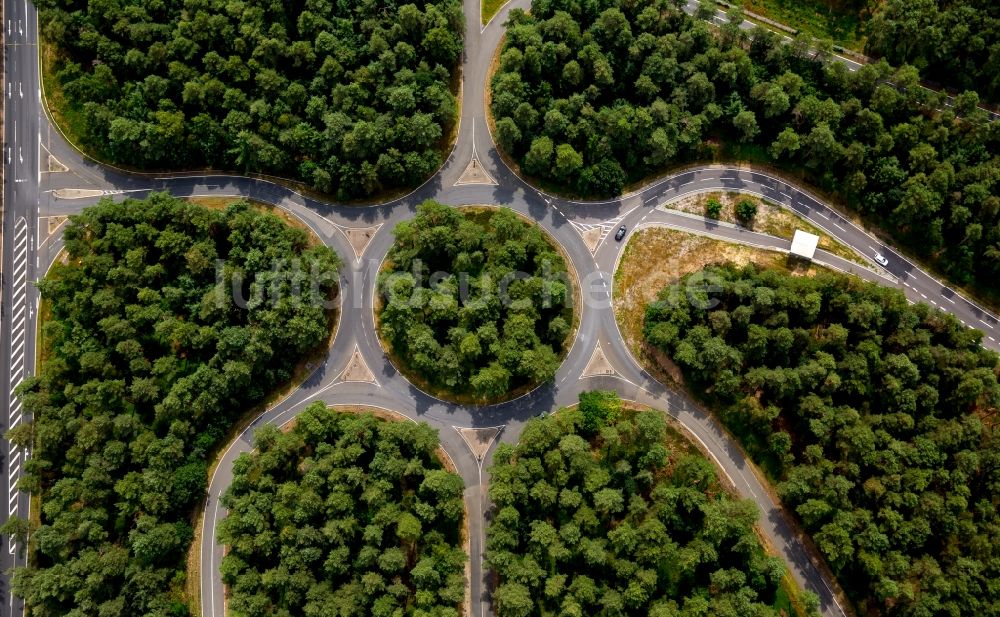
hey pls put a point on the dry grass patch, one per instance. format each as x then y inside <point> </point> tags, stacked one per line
<point>657,257</point>
<point>771,219</point>
<point>490,8</point>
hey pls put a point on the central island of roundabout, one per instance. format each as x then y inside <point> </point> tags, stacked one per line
<point>475,305</point>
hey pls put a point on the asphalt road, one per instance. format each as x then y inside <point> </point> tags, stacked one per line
<point>22,111</point>
<point>33,195</point>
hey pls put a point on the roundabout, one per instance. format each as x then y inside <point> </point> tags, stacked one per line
<point>356,371</point>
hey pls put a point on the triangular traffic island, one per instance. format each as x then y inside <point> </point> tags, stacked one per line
<point>55,166</point>
<point>360,237</point>
<point>357,370</point>
<point>599,365</point>
<point>54,222</point>
<point>475,174</point>
<point>479,440</point>
<point>78,193</point>
<point>592,238</point>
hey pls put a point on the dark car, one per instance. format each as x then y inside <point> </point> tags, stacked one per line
<point>620,234</point>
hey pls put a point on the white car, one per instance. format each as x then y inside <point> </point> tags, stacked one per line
<point>882,261</point>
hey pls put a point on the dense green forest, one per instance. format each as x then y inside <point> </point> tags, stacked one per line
<point>475,301</point>
<point>589,96</point>
<point>955,43</point>
<point>344,515</point>
<point>149,360</point>
<point>606,511</point>
<point>349,97</point>
<point>877,417</point>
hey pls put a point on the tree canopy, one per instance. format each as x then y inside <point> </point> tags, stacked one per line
<point>151,357</point>
<point>344,515</point>
<point>601,510</point>
<point>348,97</point>
<point>876,416</point>
<point>589,96</point>
<point>475,301</point>
<point>954,43</point>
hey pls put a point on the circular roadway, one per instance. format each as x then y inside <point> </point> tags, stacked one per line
<point>565,221</point>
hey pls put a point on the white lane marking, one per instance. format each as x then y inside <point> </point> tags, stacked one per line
<point>16,352</point>
<point>839,227</point>
<point>986,323</point>
<point>17,366</point>
<point>651,200</point>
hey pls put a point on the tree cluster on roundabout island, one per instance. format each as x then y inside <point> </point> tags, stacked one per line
<point>875,417</point>
<point>350,98</point>
<point>149,358</point>
<point>344,515</point>
<point>601,510</point>
<point>475,301</point>
<point>590,96</point>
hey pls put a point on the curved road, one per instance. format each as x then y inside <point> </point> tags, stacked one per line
<point>35,191</point>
